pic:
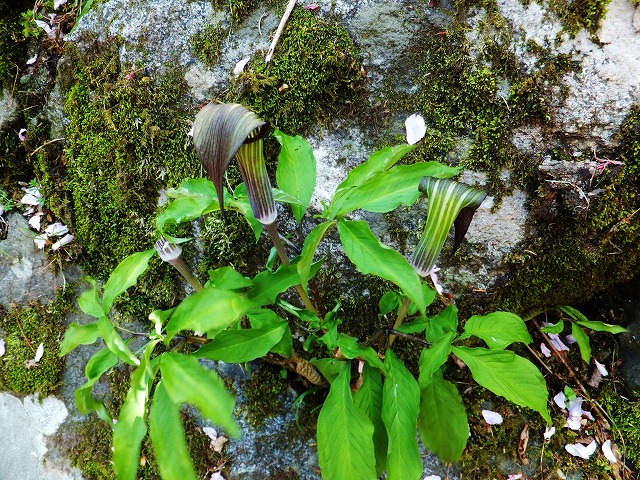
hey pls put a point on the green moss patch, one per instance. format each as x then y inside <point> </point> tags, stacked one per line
<point>25,328</point>
<point>313,77</point>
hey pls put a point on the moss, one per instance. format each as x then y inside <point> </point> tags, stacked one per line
<point>578,14</point>
<point>314,75</point>
<point>207,44</point>
<point>477,89</point>
<point>25,327</point>
<point>573,257</point>
<point>264,390</point>
<point>624,410</point>
<point>12,44</point>
<point>238,9</point>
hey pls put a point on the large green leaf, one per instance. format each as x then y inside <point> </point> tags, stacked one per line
<point>125,275</point>
<point>187,381</point>
<point>330,368</point>
<point>267,285</point>
<point>378,162</point>
<point>508,375</point>
<point>132,425</point>
<point>497,329</point>
<point>115,343</point>
<point>371,256</point>
<point>210,310</point>
<point>169,440</point>
<point>390,189</point>
<point>263,318</point>
<point>368,398</point>
<point>400,408</point>
<point>77,334</point>
<point>583,341</point>
<point>228,278</point>
<point>239,346</point>
<point>345,436</point>
<point>433,358</point>
<point>296,172</point>
<point>350,348</point>
<point>442,422</point>
<point>309,249</point>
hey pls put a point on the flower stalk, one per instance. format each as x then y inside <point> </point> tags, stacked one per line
<point>172,254</point>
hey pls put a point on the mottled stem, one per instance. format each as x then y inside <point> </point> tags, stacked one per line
<point>402,314</point>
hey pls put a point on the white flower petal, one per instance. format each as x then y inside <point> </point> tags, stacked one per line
<point>239,68</point>
<point>40,240</point>
<point>601,368</point>
<point>545,350</point>
<point>514,476</point>
<point>68,238</point>
<point>31,61</point>
<point>57,229</point>
<point>570,339</point>
<point>57,3</point>
<point>579,450</point>
<point>34,221</point>
<point>432,477</point>
<point>217,476</point>
<point>557,343</point>
<point>415,128</point>
<point>210,432</point>
<point>561,400</point>
<point>3,347</point>
<point>492,418</point>
<point>30,199</point>
<point>606,449</point>
<point>573,423</point>
<point>39,352</point>
<point>548,432</point>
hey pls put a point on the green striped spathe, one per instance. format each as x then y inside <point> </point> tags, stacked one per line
<point>449,202</point>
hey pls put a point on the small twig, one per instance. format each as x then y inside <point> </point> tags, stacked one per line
<point>401,316</point>
<point>45,144</point>
<point>279,31</point>
<point>260,22</point>
<point>26,339</point>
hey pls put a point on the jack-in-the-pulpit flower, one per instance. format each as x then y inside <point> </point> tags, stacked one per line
<point>222,131</point>
<point>450,203</point>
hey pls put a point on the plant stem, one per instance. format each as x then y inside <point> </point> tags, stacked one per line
<point>186,273</point>
<point>275,238</point>
<point>402,314</point>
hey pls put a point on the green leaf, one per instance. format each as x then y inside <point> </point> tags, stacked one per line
<point>442,324</point>
<point>497,329</point>
<point>241,203</point>
<point>341,424</point>
<point>187,381</point>
<point>555,328</point>
<point>572,312</point>
<point>350,348</point>
<point>185,209</point>
<point>125,275</point>
<point>508,375</point>
<point>267,286</point>
<point>602,327</point>
<point>98,364</point>
<point>309,249</point>
<point>115,343</point>
<point>132,425</point>
<point>168,438</point>
<point>261,318</point>
<point>378,162</point>
<point>443,423</point>
<point>371,256</point>
<point>296,172</point>
<point>77,334</point>
<point>330,368</point>
<point>228,278</point>
<point>431,359</point>
<point>390,189</point>
<point>368,398</point>
<point>583,341</point>
<point>417,326</point>
<point>400,408</point>
<point>389,302</point>
<point>239,346</point>
<point>89,302</point>
<point>194,187</point>
<point>210,310</point>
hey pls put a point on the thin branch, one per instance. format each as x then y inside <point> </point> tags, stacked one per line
<point>45,144</point>
<point>279,31</point>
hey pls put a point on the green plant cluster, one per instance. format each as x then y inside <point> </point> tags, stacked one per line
<point>207,44</point>
<point>25,327</point>
<point>579,14</point>
<point>573,258</point>
<point>314,75</point>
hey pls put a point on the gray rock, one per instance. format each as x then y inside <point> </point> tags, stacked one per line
<point>8,108</point>
<point>25,271</point>
<point>630,349</point>
<point>26,425</point>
